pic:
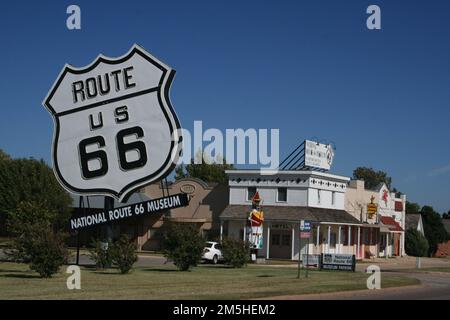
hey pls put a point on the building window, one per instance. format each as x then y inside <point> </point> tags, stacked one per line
<point>250,193</point>
<point>282,194</point>
<point>333,198</point>
<point>318,196</point>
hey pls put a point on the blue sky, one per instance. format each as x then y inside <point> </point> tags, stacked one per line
<point>309,68</point>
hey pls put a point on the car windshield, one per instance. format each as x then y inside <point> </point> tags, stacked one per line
<point>208,245</point>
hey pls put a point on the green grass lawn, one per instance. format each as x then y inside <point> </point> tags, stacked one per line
<point>166,282</point>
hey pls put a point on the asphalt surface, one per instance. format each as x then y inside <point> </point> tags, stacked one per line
<point>434,286</point>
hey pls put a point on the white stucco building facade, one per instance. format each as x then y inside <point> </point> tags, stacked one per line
<point>287,198</point>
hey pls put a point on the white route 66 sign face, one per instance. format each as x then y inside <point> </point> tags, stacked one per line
<point>115,129</point>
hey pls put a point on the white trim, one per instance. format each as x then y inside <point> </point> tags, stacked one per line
<point>291,172</point>
<point>341,223</point>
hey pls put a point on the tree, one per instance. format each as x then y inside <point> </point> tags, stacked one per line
<point>183,245</point>
<point>33,181</point>
<point>4,155</point>
<point>433,227</point>
<point>412,207</point>
<point>371,177</point>
<point>208,170</point>
<point>416,244</point>
<point>446,215</point>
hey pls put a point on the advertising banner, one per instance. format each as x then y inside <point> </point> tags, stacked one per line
<point>318,155</point>
<point>133,210</point>
<point>331,261</point>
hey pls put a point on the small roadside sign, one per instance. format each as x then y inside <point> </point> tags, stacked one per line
<point>305,235</point>
<point>305,225</point>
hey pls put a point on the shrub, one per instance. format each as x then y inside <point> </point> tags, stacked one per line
<point>415,243</point>
<point>123,254</point>
<point>235,252</point>
<point>36,243</point>
<point>47,252</point>
<point>183,245</point>
<point>100,254</point>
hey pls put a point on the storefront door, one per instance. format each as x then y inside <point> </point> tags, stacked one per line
<point>280,244</point>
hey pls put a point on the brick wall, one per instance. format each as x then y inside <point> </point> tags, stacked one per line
<point>443,249</point>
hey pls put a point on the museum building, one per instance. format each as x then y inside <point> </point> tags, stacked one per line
<point>336,206</point>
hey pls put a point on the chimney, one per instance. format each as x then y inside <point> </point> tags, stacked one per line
<point>357,184</point>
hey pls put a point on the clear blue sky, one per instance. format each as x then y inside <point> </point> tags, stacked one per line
<point>310,68</point>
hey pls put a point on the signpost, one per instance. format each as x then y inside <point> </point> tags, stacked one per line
<point>115,128</point>
<point>305,233</point>
<point>115,131</point>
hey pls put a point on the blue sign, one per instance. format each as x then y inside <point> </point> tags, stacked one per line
<point>305,225</point>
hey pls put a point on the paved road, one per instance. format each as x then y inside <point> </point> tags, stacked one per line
<point>434,286</point>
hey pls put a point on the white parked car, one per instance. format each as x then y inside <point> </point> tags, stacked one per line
<point>212,252</point>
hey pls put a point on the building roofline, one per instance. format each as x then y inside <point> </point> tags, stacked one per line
<point>290,172</point>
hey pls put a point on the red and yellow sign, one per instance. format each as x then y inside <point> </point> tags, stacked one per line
<point>372,208</point>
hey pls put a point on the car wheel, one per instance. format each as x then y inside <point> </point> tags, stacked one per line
<point>215,259</point>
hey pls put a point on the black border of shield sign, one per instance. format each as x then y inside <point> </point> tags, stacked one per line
<point>163,93</point>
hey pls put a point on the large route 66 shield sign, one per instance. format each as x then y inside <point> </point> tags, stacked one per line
<point>115,129</point>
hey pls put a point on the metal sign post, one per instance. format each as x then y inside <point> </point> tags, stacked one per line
<point>299,256</point>
<point>305,232</point>
<point>307,254</point>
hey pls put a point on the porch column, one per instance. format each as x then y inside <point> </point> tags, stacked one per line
<point>349,239</point>
<point>387,245</point>
<point>293,243</point>
<point>359,243</point>
<point>401,244</point>
<point>268,241</point>
<point>221,230</point>
<point>245,232</point>
<point>339,240</point>
<point>328,239</point>
<point>318,236</point>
